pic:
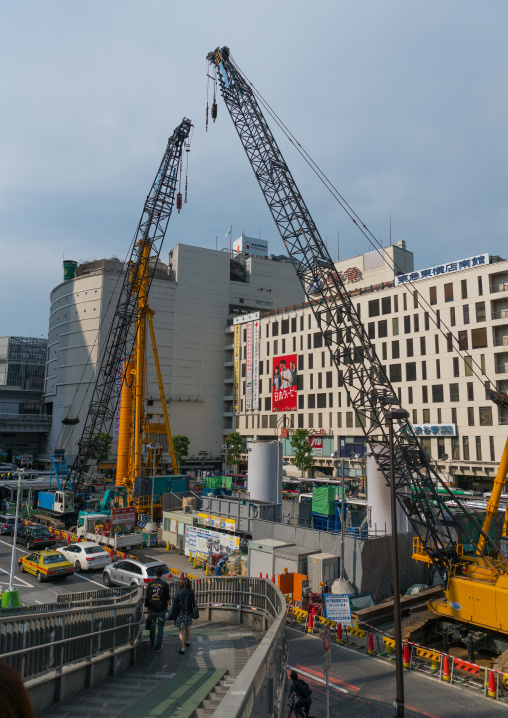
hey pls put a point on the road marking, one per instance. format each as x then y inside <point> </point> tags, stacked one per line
<point>319,680</point>
<point>79,575</point>
<point>16,578</point>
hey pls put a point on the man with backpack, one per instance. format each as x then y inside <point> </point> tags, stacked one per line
<point>156,600</point>
<point>302,691</point>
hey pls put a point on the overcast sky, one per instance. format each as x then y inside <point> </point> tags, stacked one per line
<point>402,104</point>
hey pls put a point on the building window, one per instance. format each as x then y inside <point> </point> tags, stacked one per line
<point>470,416</point>
<point>437,393</point>
<point>396,303</point>
<point>411,373</point>
<point>407,324</point>
<point>275,330</point>
<point>404,301</point>
<point>300,421</point>
<point>293,325</point>
<point>454,392</point>
<point>395,350</point>
<point>470,391</point>
<point>426,416</point>
<point>384,350</point>
<point>300,401</point>
<point>463,344</point>
<point>330,401</point>
<point>482,363</point>
<point>463,288</point>
<point>329,379</point>
<point>311,401</point>
<point>339,419</point>
<point>310,421</point>
<point>454,415</point>
<point>456,366</point>
<point>455,448</point>
<point>386,305</point>
<point>452,316</point>
<point>436,343</point>
<point>416,322</point>
<point>448,292</point>
<point>300,362</point>
<point>395,326</point>
<point>465,448</point>
<point>311,361</point>
<point>319,381</point>
<point>415,416</point>
<point>275,347</point>
<point>371,330</point>
<point>478,443</point>
<point>320,421</point>
<point>409,394</point>
<point>438,318</point>
<point>440,447</point>
<point>465,312</point>
<point>479,338</point>
<point>422,346</point>
<point>318,340</point>
<point>449,342</point>
<point>374,308</point>
<point>283,346</point>
<point>480,286</point>
<point>485,416</point>
<point>395,372</point>
<point>433,295</point>
<point>409,347</point>
<point>268,403</point>
<point>349,419</point>
<point>424,370</point>
<point>382,328</point>
<point>438,369</point>
<point>491,447</point>
<point>321,401</point>
<point>439,416</point>
<point>425,398</point>
<point>426,321</point>
<point>264,421</point>
<point>415,299</point>
<point>480,312</point>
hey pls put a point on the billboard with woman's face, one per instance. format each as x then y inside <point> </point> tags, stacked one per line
<point>284,383</point>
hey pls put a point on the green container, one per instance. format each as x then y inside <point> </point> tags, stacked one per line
<point>69,267</point>
<point>323,500</point>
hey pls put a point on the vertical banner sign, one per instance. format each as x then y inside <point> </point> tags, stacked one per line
<point>118,391</point>
<point>248,369</point>
<point>255,367</point>
<point>317,445</point>
<point>284,383</point>
<point>236,371</point>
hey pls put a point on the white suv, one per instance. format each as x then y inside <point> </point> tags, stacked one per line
<point>136,571</point>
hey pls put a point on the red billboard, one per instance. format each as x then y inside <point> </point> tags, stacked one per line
<point>284,383</point>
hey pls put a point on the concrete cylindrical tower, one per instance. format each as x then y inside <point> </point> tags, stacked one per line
<point>265,471</point>
<point>379,504</point>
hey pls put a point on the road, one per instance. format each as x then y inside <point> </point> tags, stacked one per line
<point>29,589</point>
<point>364,686</point>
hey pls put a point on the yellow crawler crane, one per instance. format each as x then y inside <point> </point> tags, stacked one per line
<point>476,593</point>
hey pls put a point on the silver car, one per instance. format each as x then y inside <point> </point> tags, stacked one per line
<point>7,524</point>
<point>138,571</point>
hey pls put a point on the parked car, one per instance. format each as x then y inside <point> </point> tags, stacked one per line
<point>46,565</point>
<point>86,555</point>
<point>35,537</point>
<point>137,571</point>
<point>7,524</point>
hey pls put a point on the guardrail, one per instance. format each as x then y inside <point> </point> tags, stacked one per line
<point>59,649</point>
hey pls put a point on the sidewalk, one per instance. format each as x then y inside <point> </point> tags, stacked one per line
<point>167,684</point>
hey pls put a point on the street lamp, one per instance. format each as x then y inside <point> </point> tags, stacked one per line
<point>10,598</point>
<point>394,414</point>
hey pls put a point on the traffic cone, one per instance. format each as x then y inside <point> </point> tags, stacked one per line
<point>310,626</point>
<point>370,645</point>
<point>190,555</point>
<point>207,570</point>
<point>339,632</point>
<point>167,545</point>
<point>194,562</point>
<point>267,577</point>
<point>68,539</point>
<point>260,574</point>
<point>124,556</point>
<point>446,669</point>
<point>273,578</point>
<point>491,689</point>
<point>406,660</point>
<point>182,576</point>
<point>111,553</point>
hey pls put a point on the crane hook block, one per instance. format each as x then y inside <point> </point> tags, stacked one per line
<point>179,201</point>
<point>214,111</point>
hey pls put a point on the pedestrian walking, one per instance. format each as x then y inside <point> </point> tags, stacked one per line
<point>156,600</point>
<point>184,609</point>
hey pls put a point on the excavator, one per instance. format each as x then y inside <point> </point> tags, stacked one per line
<point>474,573</point>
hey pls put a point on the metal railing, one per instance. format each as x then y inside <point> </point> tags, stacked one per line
<point>43,639</point>
<point>44,642</point>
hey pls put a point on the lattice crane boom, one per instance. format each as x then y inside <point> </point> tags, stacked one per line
<point>359,368</point>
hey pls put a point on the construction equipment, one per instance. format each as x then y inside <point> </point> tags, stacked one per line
<point>476,585</point>
<point>124,349</point>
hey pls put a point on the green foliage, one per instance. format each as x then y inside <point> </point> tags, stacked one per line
<point>234,444</point>
<point>181,447</point>
<point>103,445</point>
<point>302,449</point>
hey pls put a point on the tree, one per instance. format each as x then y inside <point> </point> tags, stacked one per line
<point>302,449</point>
<point>181,447</point>
<point>103,445</point>
<point>234,447</point>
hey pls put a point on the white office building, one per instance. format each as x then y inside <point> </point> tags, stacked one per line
<point>192,295</point>
<point>443,340</point>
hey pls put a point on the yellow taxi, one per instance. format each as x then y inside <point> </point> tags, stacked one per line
<point>46,565</point>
